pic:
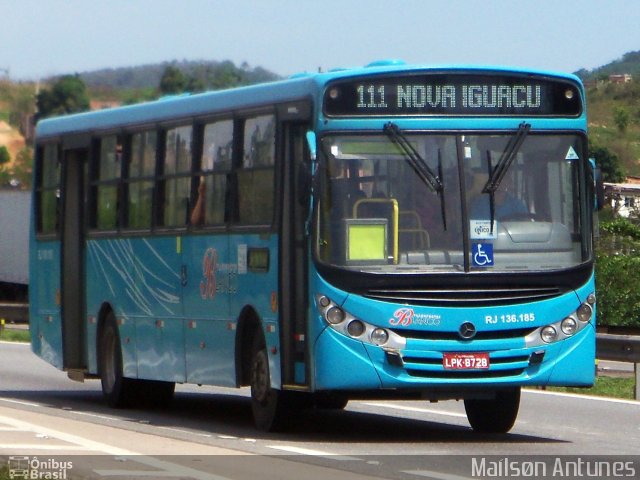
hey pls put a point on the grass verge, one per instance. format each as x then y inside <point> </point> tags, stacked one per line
<point>616,387</point>
<point>15,335</point>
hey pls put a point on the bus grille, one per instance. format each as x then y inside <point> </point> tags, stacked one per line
<point>516,333</point>
<point>466,374</point>
<point>464,297</point>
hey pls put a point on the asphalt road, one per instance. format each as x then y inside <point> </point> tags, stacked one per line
<point>43,413</point>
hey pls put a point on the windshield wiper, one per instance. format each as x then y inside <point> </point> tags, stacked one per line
<point>419,165</point>
<point>496,175</point>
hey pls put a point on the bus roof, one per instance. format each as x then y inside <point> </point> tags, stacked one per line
<point>178,107</point>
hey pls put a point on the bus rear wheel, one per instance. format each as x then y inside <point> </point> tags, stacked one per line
<point>121,392</point>
<point>496,415</point>
<point>267,404</point>
<point>115,388</point>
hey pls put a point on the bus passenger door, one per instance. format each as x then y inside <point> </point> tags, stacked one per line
<point>72,258</point>
<point>294,257</point>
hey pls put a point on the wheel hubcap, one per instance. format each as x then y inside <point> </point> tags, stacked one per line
<point>260,379</point>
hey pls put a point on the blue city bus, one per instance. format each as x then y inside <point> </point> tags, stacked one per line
<point>392,231</point>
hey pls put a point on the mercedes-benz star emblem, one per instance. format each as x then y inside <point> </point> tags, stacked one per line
<point>467,330</point>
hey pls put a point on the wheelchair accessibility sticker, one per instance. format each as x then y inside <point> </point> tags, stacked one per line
<point>482,254</point>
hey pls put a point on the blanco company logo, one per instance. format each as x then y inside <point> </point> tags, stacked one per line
<point>404,317</point>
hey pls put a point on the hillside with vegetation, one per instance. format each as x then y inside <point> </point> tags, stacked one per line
<point>139,83</point>
<point>19,101</point>
<point>613,110</point>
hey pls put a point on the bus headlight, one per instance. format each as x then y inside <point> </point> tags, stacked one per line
<point>335,315</point>
<point>565,328</point>
<point>548,334</point>
<point>346,324</point>
<point>355,328</point>
<point>584,312</point>
<point>379,336</point>
<point>569,326</point>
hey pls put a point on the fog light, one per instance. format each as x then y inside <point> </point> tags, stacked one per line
<point>335,315</point>
<point>591,299</point>
<point>355,328</point>
<point>324,301</point>
<point>548,334</point>
<point>379,336</point>
<point>569,326</point>
<point>584,312</point>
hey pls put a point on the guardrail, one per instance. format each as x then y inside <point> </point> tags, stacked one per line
<point>621,348</point>
<point>14,312</point>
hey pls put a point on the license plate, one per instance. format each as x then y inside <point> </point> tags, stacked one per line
<point>465,361</point>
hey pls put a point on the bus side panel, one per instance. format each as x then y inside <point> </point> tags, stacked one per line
<point>140,280</point>
<point>44,295</point>
<point>209,329</point>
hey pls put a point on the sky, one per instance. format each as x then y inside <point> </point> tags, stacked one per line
<point>40,38</point>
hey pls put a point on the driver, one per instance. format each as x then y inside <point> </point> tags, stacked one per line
<point>506,204</point>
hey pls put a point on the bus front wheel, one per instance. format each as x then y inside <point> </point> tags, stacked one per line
<point>496,415</point>
<point>267,404</point>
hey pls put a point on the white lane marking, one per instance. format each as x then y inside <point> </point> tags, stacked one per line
<point>84,443</point>
<point>313,453</point>
<point>20,402</point>
<point>34,446</point>
<point>413,409</point>
<point>134,473</point>
<point>187,432</point>
<point>433,474</point>
<point>583,397</point>
<point>81,443</point>
<point>93,415</point>
<point>164,469</point>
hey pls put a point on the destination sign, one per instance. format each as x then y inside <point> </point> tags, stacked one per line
<point>451,94</point>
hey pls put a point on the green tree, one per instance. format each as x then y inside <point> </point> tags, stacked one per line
<point>608,162</point>
<point>67,95</point>
<point>621,118</point>
<point>22,168</point>
<point>5,156</point>
<point>172,81</point>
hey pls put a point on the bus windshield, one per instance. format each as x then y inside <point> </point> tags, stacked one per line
<point>421,202</point>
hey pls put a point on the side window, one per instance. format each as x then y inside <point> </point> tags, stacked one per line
<point>256,176</point>
<point>177,176</point>
<point>215,164</point>
<point>48,197</point>
<point>109,171</point>
<point>142,169</point>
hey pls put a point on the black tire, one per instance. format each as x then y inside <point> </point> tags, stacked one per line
<point>152,393</point>
<point>497,415</point>
<point>330,401</point>
<point>267,404</point>
<point>121,392</point>
<point>116,389</point>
